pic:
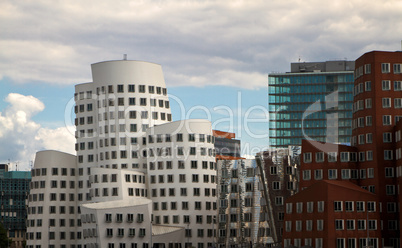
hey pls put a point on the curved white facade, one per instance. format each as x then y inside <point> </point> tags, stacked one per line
<point>53,211</point>
<point>182,177</point>
<point>133,165</point>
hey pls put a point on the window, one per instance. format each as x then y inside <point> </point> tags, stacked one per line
<point>278,200</point>
<point>298,225</point>
<point>397,68</point>
<point>371,206</point>
<point>398,102</point>
<point>288,226</point>
<point>360,206</point>
<point>390,189</point>
<point>361,224</point>
<point>368,102</point>
<point>349,206</point>
<point>339,224</point>
<point>387,154</point>
<point>309,225</point>
<point>398,86</point>
<point>386,85</point>
<point>344,156</point>
<point>345,173</point>
<point>367,86</point>
<point>386,120</point>
<point>289,208</point>
<point>389,172</point>
<point>338,206</point>
<point>276,185</point>
<point>310,207</point>
<point>320,206</point>
<point>340,243</point>
<point>307,157</point>
<point>299,207</point>
<point>306,176</point>
<point>318,174</point>
<point>319,157</point>
<point>332,156</point>
<point>385,68</point>
<point>372,224</point>
<point>320,225</point>
<point>332,174</point>
<point>386,102</point>
<point>369,121</point>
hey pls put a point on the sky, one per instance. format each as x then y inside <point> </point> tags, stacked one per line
<point>215,55</point>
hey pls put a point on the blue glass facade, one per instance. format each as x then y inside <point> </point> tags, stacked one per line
<point>293,116</point>
<point>14,188</point>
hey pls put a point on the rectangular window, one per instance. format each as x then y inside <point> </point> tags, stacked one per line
<point>332,174</point>
<point>306,175</point>
<point>386,85</point>
<point>397,68</point>
<point>338,224</point>
<point>386,102</point>
<point>332,156</point>
<point>385,68</point>
<point>388,155</point>
<point>368,86</point>
<point>398,86</point>
<point>318,174</point>
<point>398,102</point>
<point>369,121</point>
<point>338,206</point>
<point>307,157</point>
<point>386,120</point>
<point>320,226</point>
<point>319,157</point>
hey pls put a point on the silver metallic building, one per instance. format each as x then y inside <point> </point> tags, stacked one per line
<point>242,221</point>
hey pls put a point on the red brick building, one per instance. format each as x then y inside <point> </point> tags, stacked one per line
<point>331,214</point>
<point>373,162</point>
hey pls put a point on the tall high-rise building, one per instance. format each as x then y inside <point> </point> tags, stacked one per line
<point>313,101</point>
<point>138,180</point>
<point>14,189</point>
<point>359,183</point>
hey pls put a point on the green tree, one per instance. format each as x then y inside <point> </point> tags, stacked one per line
<point>4,240</point>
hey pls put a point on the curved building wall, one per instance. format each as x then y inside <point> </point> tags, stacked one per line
<point>182,177</point>
<point>117,184</point>
<point>53,210</point>
<point>117,223</point>
<point>112,115</point>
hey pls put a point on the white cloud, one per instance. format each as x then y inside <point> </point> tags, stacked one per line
<point>21,137</point>
<point>197,42</point>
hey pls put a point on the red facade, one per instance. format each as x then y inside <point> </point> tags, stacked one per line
<point>373,162</point>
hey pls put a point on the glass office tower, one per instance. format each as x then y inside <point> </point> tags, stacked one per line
<point>313,101</point>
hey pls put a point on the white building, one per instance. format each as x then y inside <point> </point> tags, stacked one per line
<point>133,164</point>
<point>52,219</point>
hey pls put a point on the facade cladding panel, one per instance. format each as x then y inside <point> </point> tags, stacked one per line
<point>14,188</point>
<point>241,217</point>
<point>282,177</point>
<point>293,114</point>
<point>371,163</point>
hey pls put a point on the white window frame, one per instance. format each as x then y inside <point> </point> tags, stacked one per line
<point>385,68</point>
<point>307,157</point>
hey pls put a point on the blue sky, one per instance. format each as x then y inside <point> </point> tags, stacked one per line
<point>228,108</point>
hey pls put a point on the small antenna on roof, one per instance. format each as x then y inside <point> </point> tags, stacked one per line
<point>125,57</point>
